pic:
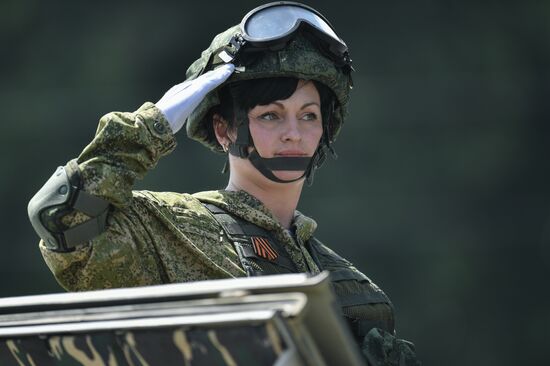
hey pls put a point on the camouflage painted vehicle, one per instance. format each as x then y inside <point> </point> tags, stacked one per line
<point>271,320</point>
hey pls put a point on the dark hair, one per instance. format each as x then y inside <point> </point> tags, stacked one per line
<point>237,99</point>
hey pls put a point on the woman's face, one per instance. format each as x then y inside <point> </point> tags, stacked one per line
<point>288,128</point>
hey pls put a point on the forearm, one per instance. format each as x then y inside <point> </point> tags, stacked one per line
<point>72,206</point>
<point>95,234</point>
<point>125,147</point>
<point>112,248</point>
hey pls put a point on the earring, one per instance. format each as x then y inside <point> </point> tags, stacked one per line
<point>225,147</point>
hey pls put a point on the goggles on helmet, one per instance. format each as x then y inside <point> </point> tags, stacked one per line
<point>271,26</point>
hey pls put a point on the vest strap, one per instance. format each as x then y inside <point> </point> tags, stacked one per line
<point>241,232</point>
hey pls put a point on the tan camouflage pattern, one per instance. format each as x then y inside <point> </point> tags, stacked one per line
<point>299,59</point>
<point>228,346</point>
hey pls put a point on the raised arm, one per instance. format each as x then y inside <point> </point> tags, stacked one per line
<point>86,214</point>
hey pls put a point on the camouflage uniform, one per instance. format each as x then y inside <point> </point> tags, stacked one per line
<point>164,237</point>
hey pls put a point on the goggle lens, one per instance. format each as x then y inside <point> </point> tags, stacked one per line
<point>277,21</point>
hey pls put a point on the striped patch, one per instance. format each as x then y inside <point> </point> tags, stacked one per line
<point>263,249</point>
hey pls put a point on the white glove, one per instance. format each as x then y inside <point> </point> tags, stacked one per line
<point>178,102</point>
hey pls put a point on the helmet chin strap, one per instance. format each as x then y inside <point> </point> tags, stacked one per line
<point>267,166</point>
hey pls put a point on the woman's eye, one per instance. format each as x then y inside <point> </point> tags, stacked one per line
<point>269,116</point>
<point>310,117</point>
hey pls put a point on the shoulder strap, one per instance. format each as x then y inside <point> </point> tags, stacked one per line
<point>234,227</point>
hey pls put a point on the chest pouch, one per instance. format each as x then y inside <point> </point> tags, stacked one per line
<point>364,305</point>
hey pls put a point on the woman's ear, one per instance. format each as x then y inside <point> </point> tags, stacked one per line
<point>221,129</point>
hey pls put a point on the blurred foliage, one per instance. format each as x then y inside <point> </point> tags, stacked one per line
<point>440,192</point>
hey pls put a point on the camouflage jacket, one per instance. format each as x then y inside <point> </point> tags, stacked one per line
<point>165,237</point>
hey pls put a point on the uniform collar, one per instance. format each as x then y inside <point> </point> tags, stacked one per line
<point>249,208</point>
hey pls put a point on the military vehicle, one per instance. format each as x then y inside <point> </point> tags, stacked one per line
<point>283,320</point>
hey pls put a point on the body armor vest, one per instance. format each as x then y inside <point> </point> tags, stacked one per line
<point>363,304</point>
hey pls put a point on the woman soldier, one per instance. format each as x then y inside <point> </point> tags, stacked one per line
<point>272,93</point>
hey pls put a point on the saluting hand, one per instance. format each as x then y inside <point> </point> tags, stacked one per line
<point>178,102</point>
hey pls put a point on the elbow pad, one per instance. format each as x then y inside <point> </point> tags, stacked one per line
<point>62,194</point>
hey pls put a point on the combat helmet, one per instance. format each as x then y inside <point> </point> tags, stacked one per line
<point>303,50</point>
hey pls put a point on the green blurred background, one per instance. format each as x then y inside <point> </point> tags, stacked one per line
<point>440,193</point>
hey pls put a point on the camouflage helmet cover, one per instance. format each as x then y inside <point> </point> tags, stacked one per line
<point>300,59</point>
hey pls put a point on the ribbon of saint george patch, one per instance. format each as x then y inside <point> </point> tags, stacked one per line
<point>263,249</point>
